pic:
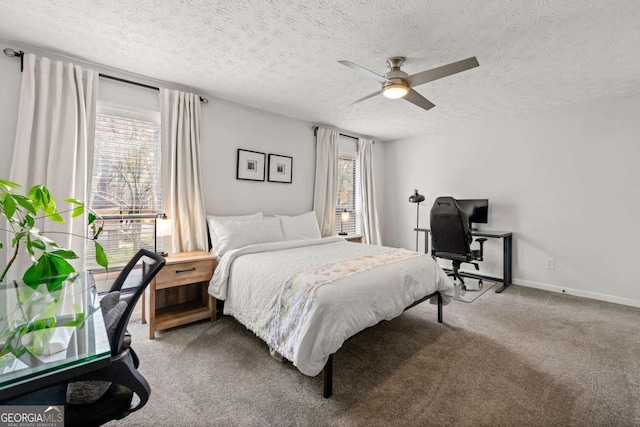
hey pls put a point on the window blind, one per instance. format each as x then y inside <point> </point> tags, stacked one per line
<point>347,170</point>
<point>126,183</point>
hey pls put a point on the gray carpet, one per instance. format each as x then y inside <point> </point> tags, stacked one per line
<point>521,358</point>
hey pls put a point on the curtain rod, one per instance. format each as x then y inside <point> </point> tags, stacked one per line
<point>20,54</point>
<point>131,82</point>
<point>315,133</point>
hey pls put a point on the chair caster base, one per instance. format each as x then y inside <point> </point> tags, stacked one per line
<point>480,286</point>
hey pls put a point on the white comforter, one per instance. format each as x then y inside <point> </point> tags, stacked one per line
<point>249,279</point>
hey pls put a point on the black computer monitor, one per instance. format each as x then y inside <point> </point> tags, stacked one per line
<point>476,209</point>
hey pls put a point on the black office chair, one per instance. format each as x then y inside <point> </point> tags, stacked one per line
<point>129,391</point>
<point>451,238</point>
<point>119,400</point>
<point>129,284</point>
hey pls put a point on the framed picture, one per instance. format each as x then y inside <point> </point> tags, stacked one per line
<point>280,168</point>
<point>250,165</point>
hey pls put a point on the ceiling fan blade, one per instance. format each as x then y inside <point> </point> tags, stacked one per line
<point>415,98</point>
<point>362,99</point>
<point>364,71</point>
<point>443,71</point>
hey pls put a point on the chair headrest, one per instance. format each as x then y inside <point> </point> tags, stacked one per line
<point>445,205</point>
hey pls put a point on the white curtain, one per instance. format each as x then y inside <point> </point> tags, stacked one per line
<point>325,193</point>
<point>181,179</point>
<point>54,142</point>
<point>370,227</point>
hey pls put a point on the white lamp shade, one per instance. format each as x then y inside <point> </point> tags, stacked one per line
<point>344,216</point>
<point>163,227</point>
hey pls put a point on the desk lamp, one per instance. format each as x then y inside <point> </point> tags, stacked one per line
<point>417,198</point>
<point>162,228</point>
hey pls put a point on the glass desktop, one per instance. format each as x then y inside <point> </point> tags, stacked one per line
<point>47,330</point>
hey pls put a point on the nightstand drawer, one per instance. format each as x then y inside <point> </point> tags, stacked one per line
<point>184,273</point>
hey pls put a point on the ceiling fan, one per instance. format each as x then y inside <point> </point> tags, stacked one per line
<point>398,84</point>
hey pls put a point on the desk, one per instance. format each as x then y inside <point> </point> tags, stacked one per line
<point>507,253</point>
<point>76,345</point>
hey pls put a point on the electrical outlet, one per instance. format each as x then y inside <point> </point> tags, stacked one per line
<point>551,264</point>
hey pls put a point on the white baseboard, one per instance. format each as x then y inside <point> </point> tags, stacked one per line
<point>578,293</point>
<point>570,291</point>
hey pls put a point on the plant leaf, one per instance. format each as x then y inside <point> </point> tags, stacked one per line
<point>92,218</point>
<point>77,211</point>
<point>9,206</point>
<point>78,320</point>
<point>55,216</point>
<point>74,201</point>
<point>42,268</point>
<point>47,200</point>
<point>25,203</point>
<point>48,269</point>
<point>8,185</point>
<point>29,245</point>
<point>39,244</point>
<point>63,269</point>
<point>35,194</point>
<point>64,253</point>
<point>101,257</point>
<point>97,233</point>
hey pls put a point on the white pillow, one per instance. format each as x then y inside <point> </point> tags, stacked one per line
<point>237,234</point>
<point>300,227</point>
<point>213,219</point>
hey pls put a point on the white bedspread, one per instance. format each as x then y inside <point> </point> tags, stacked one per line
<point>250,280</point>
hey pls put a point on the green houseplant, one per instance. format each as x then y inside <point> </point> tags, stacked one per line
<point>50,264</point>
<point>21,212</point>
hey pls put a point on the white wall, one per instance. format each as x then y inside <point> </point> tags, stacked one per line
<point>225,128</point>
<point>565,182</point>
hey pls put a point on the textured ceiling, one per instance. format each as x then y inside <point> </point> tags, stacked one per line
<point>280,55</point>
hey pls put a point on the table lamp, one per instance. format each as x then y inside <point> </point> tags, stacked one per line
<point>417,198</point>
<point>162,228</point>
<point>344,217</point>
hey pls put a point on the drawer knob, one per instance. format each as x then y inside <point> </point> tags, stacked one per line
<point>185,270</point>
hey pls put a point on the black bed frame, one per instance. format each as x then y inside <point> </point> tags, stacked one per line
<point>327,372</point>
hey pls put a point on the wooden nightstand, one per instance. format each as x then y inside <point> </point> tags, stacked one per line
<point>178,294</point>
<point>354,238</point>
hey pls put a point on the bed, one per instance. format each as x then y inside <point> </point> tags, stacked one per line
<point>306,296</point>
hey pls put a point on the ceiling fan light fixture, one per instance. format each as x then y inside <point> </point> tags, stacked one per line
<point>395,91</point>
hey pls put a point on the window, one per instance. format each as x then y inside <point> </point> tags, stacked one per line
<point>126,187</point>
<point>348,190</point>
